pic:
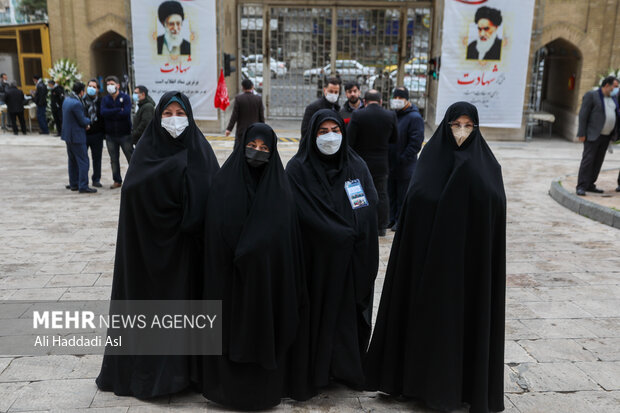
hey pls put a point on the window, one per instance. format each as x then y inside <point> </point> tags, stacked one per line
<point>30,41</point>
<point>32,66</point>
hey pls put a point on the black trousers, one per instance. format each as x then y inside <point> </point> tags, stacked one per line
<point>592,161</point>
<point>397,189</point>
<point>22,121</point>
<point>57,115</point>
<point>383,209</point>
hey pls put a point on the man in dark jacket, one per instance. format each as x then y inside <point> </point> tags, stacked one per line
<point>247,110</point>
<point>40,99</point>
<point>329,100</point>
<point>146,111</point>
<point>96,133</point>
<point>598,125</point>
<point>404,153</point>
<point>74,135</point>
<point>116,112</point>
<point>57,95</point>
<point>370,132</point>
<point>15,106</point>
<point>354,101</point>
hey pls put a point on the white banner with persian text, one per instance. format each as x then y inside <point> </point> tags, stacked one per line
<point>484,58</point>
<point>175,48</point>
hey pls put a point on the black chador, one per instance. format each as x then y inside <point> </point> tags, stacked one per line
<point>253,264</point>
<point>439,335</point>
<point>341,250</point>
<point>159,247</point>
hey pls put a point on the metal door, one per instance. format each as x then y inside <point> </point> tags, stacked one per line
<point>370,45</point>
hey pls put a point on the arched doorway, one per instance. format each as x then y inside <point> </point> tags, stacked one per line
<point>109,52</point>
<point>555,78</point>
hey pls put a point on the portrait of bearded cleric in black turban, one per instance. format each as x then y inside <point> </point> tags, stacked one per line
<point>171,16</point>
<point>488,43</point>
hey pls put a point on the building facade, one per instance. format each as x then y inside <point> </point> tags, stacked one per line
<point>379,44</point>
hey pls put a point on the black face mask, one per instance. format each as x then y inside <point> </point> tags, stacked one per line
<point>256,158</point>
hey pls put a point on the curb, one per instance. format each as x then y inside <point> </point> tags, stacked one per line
<point>588,209</point>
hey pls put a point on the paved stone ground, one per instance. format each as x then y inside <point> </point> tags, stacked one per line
<point>563,296</point>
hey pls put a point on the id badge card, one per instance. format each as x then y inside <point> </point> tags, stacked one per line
<point>356,194</point>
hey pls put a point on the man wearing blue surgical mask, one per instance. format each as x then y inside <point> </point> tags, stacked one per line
<point>146,110</point>
<point>96,133</point>
<point>598,125</point>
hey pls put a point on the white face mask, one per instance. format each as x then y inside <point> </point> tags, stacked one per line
<point>331,97</point>
<point>461,134</point>
<point>397,104</point>
<point>111,89</point>
<point>175,125</point>
<point>329,143</point>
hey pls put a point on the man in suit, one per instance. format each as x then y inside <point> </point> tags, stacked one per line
<point>247,109</point>
<point>171,16</point>
<point>488,46</point>
<point>57,95</point>
<point>15,106</point>
<point>329,100</point>
<point>40,98</point>
<point>598,125</point>
<point>371,130</point>
<point>74,124</point>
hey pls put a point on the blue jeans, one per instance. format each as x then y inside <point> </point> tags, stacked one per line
<point>42,118</point>
<point>95,143</point>
<point>78,165</point>
<point>113,143</point>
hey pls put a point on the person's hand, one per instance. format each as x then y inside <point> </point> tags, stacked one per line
<point>87,127</point>
<point>582,138</point>
<point>227,133</point>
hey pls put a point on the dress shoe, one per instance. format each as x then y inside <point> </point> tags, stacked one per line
<point>382,233</point>
<point>97,184</point>
<point>595,190</point>
<point>618,188</point>
<point>581,192</point>
<point>88,191</point>
<point>73,188</point>
<point>115,185</point>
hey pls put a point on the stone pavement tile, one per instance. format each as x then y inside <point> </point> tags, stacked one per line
<point>52,368</point>
<point>565,377</point>
<point>9,393</point>
<point>92,410</point>
<point>595,278</point>
<point>606,349</point>
<point>518,294</point>
<point>556,349</point>
<point>6,294</point>
<point>517,330</point>
<point>577,293</point>
<point>181,408</point>
<point>606,374</point>
<point>511,381</point>
<point>55,394</point>
<point>48,257</point>
<point>187,397</point>
<point>86,293</point>
<point>605,327</point>
<point>38,294</point>
<point>62,268</point>
<point>20,269</point>
<point>556,266</point>
<point>579,402</point>
<point>99,267</point>
<point>109,399</point>
<point>554,309</point>
<point>514,353</point>
<point>538,280</point>
<point>93,256</point>
<point>519,256</point>
<point>105,279</point>
<point>73,280</point>
<point>520,268</point>
<point>601,308</point>
<point>4,362</point>
<point>609,265</point>
<point>561,327</point>
<point>11,282</point>
<point>518,311</point>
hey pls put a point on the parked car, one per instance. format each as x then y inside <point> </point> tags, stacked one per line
<point>385,84</point>
<point>347,69</point>
<point>416,65</point>
<point>257,79</point>
<point>254,62</point>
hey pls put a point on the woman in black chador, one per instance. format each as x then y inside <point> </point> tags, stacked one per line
<point>336,202</point>
<point>159,243</point>
<point>439,335</point>
<point>253,264</point>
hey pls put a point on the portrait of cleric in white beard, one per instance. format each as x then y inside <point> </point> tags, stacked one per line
<point>487,45</point>
<point>172,16</point>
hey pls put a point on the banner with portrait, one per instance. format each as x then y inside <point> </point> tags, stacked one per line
<point>175,48</point>
<point>484,58</point>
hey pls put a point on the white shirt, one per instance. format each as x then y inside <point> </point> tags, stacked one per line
<point>610,115</point>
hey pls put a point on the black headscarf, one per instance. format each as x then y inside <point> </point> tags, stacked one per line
<point>440,328</point>
<point>159,242</point>
<point>341,253</point>
<point>253,264</point>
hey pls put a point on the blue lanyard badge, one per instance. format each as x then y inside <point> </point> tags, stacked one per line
<point>356,195</point>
